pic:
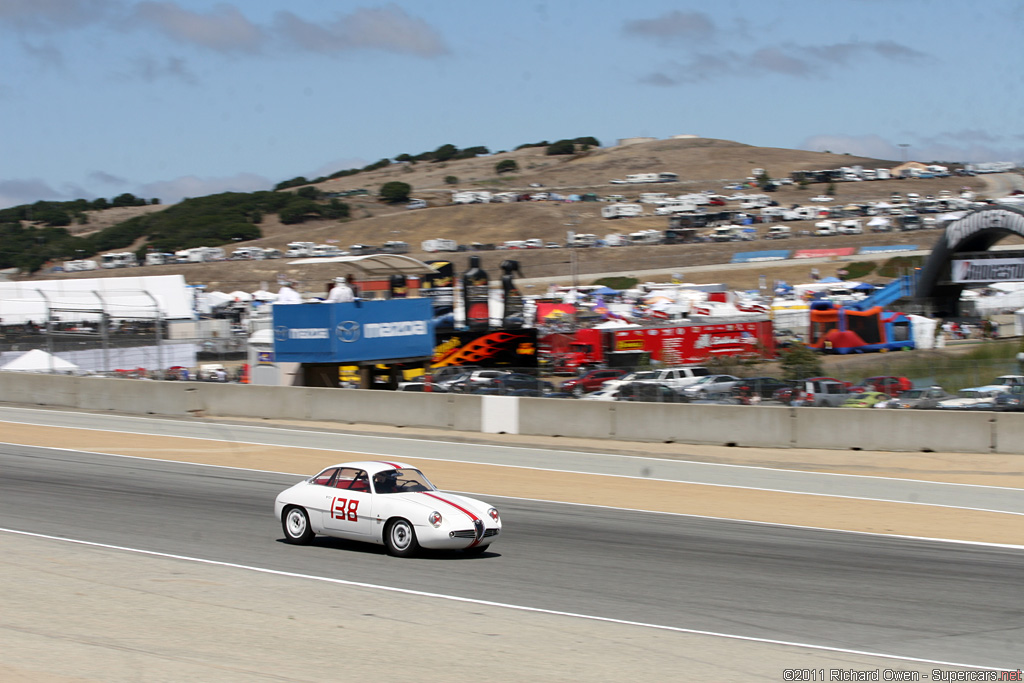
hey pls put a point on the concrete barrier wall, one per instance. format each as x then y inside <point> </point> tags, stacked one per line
<point>895,430</point>
<point>764,426</point>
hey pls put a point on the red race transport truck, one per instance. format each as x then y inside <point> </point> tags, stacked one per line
<point>676,345</point>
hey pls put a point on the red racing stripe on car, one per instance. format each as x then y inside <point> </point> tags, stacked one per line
<point>390,464</point>
<point>458,507</point>
<point>454,505</point>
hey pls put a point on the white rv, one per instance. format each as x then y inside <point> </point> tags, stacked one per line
<point>826,228</point>
<point>851,227</point>
<point>395,247</point>
<point>439,245</point>
<point>158,258</point>
<point>622,211</point>
<point>646,237</point>
<point>727,233</point>
<point>248,254</point>
<point>653,197</point>
<point>778,232</point>
<point>80,265</point>
<point>300,249</point>
<point>642,178</point>
<point>327,250</point>
<point>123,259</point>
<point>616,240</point>
<point>582,240</point>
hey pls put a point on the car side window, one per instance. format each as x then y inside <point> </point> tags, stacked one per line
<point>353,479</point>
<point>325,478</point>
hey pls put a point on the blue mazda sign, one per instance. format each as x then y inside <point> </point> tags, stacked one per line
<point>351,332</point>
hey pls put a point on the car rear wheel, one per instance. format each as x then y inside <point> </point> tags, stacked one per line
<point>400,539</point>
<point>295,523</point>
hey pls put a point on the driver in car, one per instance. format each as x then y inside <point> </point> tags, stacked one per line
<point>386,482</point>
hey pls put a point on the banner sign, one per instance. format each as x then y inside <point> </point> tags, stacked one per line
<point>351,332</point>
<point>698,343</point>
<point>501,348</point>
<point>753,256</point>
<point>988,270</point>
<point>823,253</point>
<point>887,248</point>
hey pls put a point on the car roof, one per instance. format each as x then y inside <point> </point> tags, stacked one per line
<point>373,466</point>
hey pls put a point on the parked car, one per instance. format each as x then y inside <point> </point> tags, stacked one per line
<point>648,392</point>
<point>722,398</point>
<point>466,383</point>
<point>421,386</point>
<point>591,380</point>
<point>893,386</point>
<point>922,399</point>
<point>865,399</point>
<point>816,391</point>
<point>765,387</point>
<point>516,384</point>
<point>677,378</point>
<point>710,385</point>
<point>1012,400</point>
<point>978,398</point>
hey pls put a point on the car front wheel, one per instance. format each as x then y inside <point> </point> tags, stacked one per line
<point>400,539</point>
<point>295,523</point>
<point>577,391</point>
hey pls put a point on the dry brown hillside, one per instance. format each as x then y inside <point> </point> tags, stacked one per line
<point>700,163</point>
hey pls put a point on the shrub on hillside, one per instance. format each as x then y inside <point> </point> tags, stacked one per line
<point>395,192</point>
<point>506,166</point>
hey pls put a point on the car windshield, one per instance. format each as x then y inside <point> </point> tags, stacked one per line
<point>401,481</point>
<point>913,393</point>
<point>645,375</point>
<point>969,393</point>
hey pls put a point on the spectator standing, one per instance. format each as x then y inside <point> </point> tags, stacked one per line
<point>287,294</point>
<point>341,292</point>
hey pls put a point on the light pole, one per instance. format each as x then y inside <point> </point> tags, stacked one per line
<point>903,150</point>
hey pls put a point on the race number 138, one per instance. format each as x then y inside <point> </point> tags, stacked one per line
<point>343,508</point>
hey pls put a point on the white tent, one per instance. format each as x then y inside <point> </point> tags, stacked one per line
<point>38,360</point>
<point>239,295</point>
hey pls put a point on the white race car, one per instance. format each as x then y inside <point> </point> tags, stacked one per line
<point>387,503</point>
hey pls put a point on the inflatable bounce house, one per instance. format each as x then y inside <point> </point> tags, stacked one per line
<point>837,329</point>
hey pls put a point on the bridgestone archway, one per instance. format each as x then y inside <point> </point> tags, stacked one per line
<point>977,231</point>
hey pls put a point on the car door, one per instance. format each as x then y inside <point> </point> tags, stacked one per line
<point>348,504</point>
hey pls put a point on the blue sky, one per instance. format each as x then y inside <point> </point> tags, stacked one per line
<point>187,98</point>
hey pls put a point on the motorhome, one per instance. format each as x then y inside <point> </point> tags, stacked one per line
<point>80,265</point>
<point>416,204</point>
<point>826,228</point>
<point>616,240</point>
<point>622,211</point>
<point>727,233</point>
<point>778,232</point>
<point>653,197</point>
<point>534,243</point>
<point>581,240</point>
<point>646,237</point>
<point>851,227</point>
<point>674,206</point>
<point>439,245</point>
<point>642,178</point>
<point>122,259</point>
<point>247,254</point>
<point>158,258</point>
<point>327,250</point>
<point>300,249</point>
<point>395,247</point>
<point>514,244</point>
<point>272,253</point>
<point>199,255</point>
<point>883,174</point>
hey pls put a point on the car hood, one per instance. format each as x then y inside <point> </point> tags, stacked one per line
<point>451,506</point>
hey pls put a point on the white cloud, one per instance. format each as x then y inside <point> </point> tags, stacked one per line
<point>54,15</point>
<point>387,28</point>
<point>172,191</point>
<point>27,191</point>
<point>964,146</point>
<point>222,29</point>
<point>801,61</point>
<point>673,27</point>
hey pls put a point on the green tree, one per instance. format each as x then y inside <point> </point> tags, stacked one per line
<point>506,166</point>
<point>405,158</point>
<point>451,180</point>
<point>561,147</point>
<point>99,204</point>
<point>309,192</point>
<point>444,153</point>
<point>155,201</point>
<point>799,361</point>
<point>395,192</point>
<point>127,199</point>
<point>294,182</point>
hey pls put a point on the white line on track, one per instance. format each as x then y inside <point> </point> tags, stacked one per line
<point>502,605</point>
<point>592,474</point>
<point>983,544</point>
<point>283,430</point>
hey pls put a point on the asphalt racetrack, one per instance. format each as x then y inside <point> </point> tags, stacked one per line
<point>915,599</point>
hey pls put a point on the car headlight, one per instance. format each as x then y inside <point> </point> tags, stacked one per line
<point>493,512</point>
<point>435,519</point>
